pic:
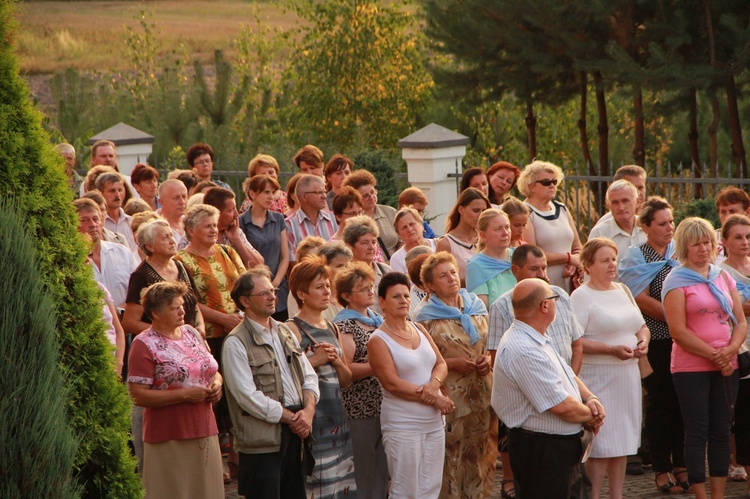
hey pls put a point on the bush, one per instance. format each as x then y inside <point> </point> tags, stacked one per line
<point>703,208</point>
<point>36,457</point>
<point>32,175</point>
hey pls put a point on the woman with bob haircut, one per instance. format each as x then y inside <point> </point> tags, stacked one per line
<point>337,169</point>
<point>461,236</point>
<point>263,164</point>
<point>333,474</point>
<point>708,326</point>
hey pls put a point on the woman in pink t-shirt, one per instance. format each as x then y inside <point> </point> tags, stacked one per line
<point>173,375</point>
<point>708,326</point>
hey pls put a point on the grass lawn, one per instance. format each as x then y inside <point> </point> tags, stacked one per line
<point>91,35</point>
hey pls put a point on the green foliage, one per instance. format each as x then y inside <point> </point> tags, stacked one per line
<point>385,166</point>
<point>358,73</point>
<point>703,208</point>
<point>36,458</point>
<point>32,174</point>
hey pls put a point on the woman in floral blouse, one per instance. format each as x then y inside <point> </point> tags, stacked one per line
<point>173,375</point>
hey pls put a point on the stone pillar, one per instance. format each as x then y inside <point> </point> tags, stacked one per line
<point>133,146</point>
<point>433,157</point>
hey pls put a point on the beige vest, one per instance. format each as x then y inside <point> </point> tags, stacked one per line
<point>253,435</point>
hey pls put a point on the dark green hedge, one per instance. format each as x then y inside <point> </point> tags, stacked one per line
<point>33,180</point>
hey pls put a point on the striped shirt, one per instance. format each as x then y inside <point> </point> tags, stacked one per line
<point>530,378</point>
<point>299,226</point>
<point>563,331</point>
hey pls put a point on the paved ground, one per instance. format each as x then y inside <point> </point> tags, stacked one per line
<point>635,487</point>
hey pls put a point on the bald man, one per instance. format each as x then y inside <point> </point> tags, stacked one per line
<point>537,395</point>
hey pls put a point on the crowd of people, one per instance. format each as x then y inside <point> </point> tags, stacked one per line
<point>327,346</point>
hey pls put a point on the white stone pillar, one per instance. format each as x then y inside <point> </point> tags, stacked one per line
<point>133,146</point>
<point>433,157</point>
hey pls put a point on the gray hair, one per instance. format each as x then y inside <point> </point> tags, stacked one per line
<point>169,183</point>
<point>65,148</point>
<point>246,283</point>
<point>621,184</point>
<point>415,252</point>
<point>630,171</point>
<point>108,178</point>
<point>359,226</point>
<point>147,233</point>
<point>332,249</point>
<point>197,213</point>
<point>531,172</point>
<point>307,181</point>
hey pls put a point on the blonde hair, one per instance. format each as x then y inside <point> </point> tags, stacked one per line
<point>262,160</point>
<point>483,223</point>
<point>531,172</point>
<point>691,230</point>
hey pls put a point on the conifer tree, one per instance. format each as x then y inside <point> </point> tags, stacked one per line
<point>33,179</point>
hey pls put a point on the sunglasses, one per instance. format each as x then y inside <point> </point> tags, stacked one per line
<point>547,182</point>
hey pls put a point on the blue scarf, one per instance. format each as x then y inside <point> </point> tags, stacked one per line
<point>372,319</point>
<point>636,274</point>
<point>435,309</point>
<point>743,289</point>
<point>482,268</point>
<point>681,277</point>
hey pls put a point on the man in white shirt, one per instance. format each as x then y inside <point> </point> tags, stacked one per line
<point>173,196</point>
<point>621,227</point>
<point>112,187</point>
<point>112,262</point>
<point>272,391</point>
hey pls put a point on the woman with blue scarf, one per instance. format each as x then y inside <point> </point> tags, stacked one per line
<point>355,290</point>
<point>488,273</point>
<point>735,235</point>
<point>708,326</point>
<point>643,270</point>
<point>457,323</point>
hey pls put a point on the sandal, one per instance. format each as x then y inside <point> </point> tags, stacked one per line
<point>737,474</point>
<point>684,484</point>
<point>670,487</point>
<point>510,493</point>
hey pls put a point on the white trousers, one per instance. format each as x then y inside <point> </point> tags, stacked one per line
<point>415,462</point>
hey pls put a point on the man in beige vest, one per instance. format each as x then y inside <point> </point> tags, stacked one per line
<point>271,390</point>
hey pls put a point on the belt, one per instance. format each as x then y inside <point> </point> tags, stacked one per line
<point>574,436</point>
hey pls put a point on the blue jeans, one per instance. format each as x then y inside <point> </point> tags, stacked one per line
<point>707,404</point>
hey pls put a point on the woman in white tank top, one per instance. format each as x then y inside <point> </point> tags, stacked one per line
<point>411,371</point>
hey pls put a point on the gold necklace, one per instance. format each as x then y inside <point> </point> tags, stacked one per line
<point>411,332</point>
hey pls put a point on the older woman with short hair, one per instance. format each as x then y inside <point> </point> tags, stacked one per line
<point>174,376</point>
<point>145,180</point>
<point>333,475</point>
<point>551,227</point>
<point>354,291</point>
<point>502,177</point>
<point>361,235</point>
<point>413,197</point>
<point>457,322</point>
<point>708,326</point>
<point>410,229</point>
<point>383,215</point>
<point>411,371</point>
<point>615,337</point>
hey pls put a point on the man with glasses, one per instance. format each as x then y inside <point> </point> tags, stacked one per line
<point>540,399</point>
<point>271,390</point>
<point>200,158</point>
<point>312,219</point>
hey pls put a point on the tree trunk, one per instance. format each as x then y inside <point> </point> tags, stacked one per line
<point>639,147</point>
<point>602,127</point>
<point>693,141</point>
<point>582,125</point>
<point>531,129</point>
<point>713,146</point>
<point>735,129</point>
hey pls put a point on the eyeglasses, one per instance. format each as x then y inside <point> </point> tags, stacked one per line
<point>554,297</point>
<point>202,162</point>
<point>267,293</point>
<point>352,213</point>
<point>317,193</point>
<point>547,182</point>
<point>368,289</point>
